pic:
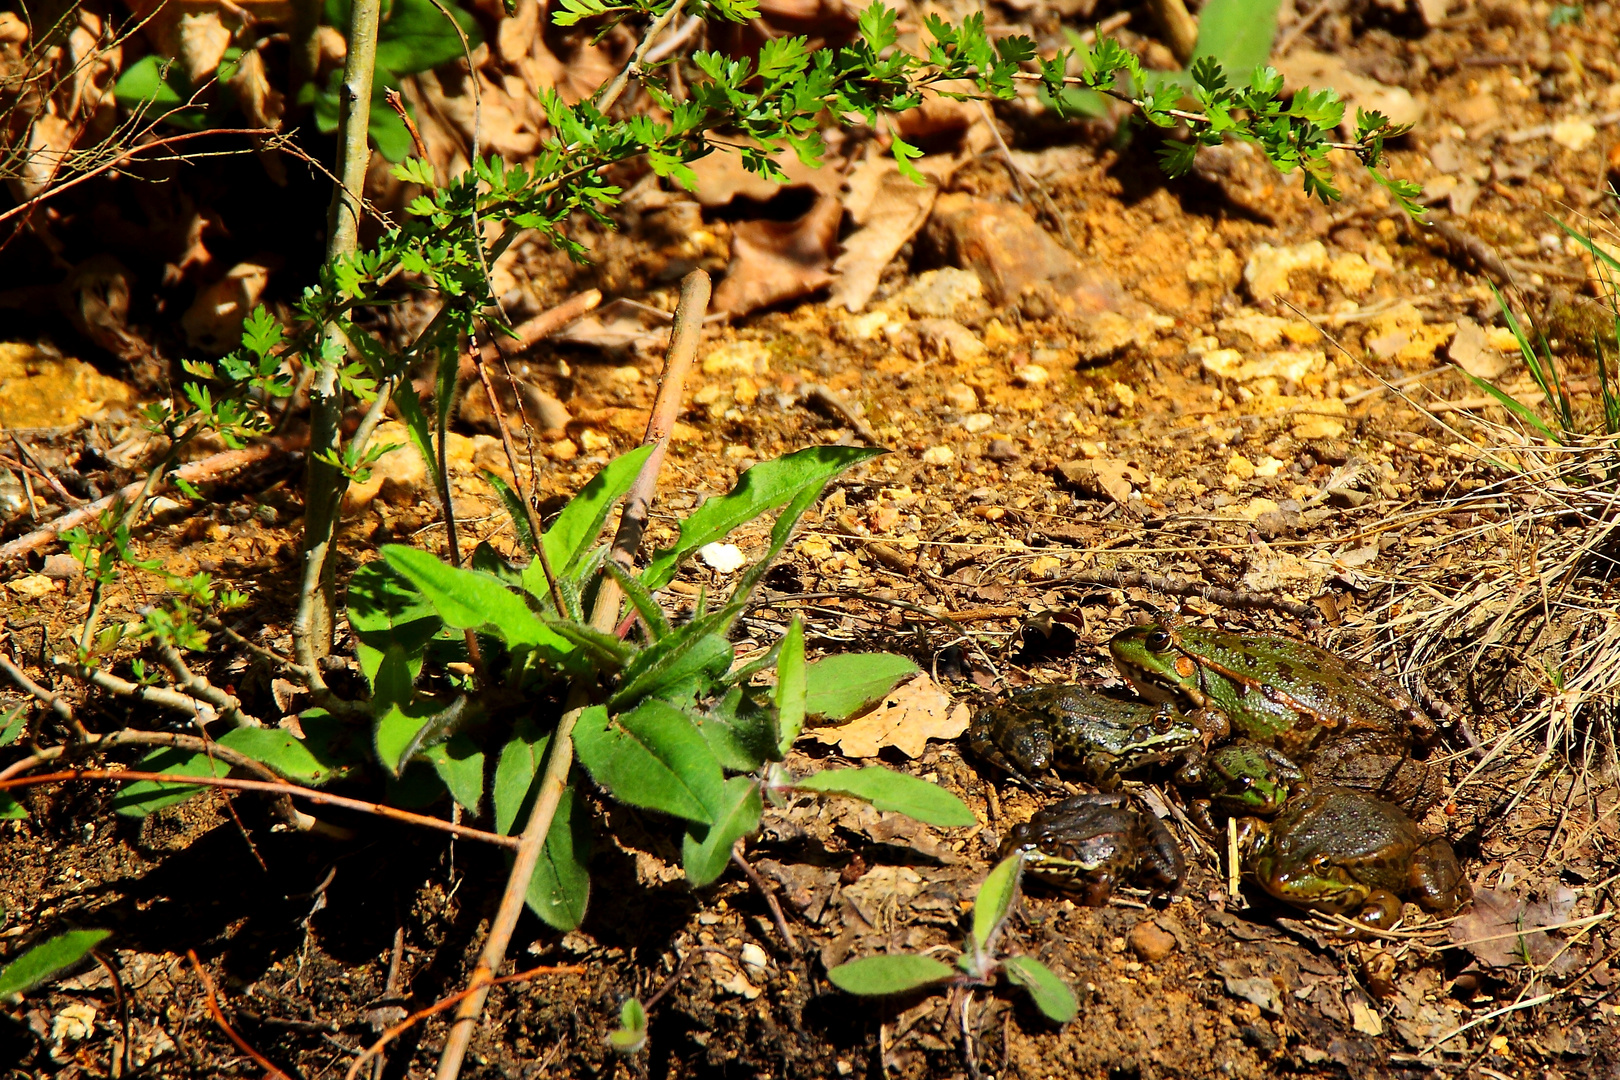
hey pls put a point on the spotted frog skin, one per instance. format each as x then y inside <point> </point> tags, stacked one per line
<point>1270,689</point>
<point>1099,737</point>
<point>1337,850</point>
<point>1088,844</point>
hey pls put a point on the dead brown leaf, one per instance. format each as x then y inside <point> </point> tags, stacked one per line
<point>1503,930</point>
<point>914,712</point>
<point>889,210</point>
<point>1469,351</point>
<point>1103,478</point>
<point>772,261</point>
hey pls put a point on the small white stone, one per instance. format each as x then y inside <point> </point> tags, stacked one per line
<point>1032,375</point>
<point>1574,135</point>
<point>725,558</point>
<point>961,397</point>
<point>627,376</point>
<point>754,956</point>
<point>938,455</point>
<point>977,422</point>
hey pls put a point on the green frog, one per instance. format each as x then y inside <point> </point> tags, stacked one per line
<point>1038,727</point>
<point>1337,850</point>
<point>1271,690</point>
<point>1245,777</point>
<point>1087,844</point>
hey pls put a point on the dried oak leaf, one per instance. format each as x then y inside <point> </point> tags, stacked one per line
<point>913,712</point>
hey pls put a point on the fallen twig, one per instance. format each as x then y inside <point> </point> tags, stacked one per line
<point>770,899</point>
<point>197,472</point>
<point>439,1006</point>
<point>270,1071</point>
<point>119,776</point>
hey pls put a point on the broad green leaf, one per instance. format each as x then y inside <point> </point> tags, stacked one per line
<point>46,960</point>
<point>889,790</point>
<point>413,35</point>
<point>467,600</point>
<point>706,849</point>
<point>995,899</point>
<point>520,762</point>
<point>763,487</point>
<point>153,80</point>
<point>144,796</point>
<point>11,725</point>
<point>675,667</point>
<point>293,758</point>
<point>781,532</point>
<point>560,887</point>
<point>387,610</point>
<point>790,685</point>
<point>652,757</point>
<point>1237,33</point>
<point>632,1033</point>
<point>406,728</point>
<point>10,808</point>
<point>838,687</point>
<point>1050,993</point>
<point>460,764</point>
<point>574,532</point>
<point>875,976</point>
<point>740,729</point>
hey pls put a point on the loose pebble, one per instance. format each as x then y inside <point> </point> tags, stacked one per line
<point>1151,942</point>
<point>938,455</point>
<point>1032,375</point>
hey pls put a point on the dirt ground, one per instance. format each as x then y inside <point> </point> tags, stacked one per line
<point>1268,400</point>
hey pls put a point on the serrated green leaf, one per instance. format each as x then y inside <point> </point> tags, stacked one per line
<point>1050,993</point>
<point>889,790</point>
<point>653,757</point>
<point>706,849</point>
<point>46,960</point>
<point>877,976</point>
<point>838,687</point>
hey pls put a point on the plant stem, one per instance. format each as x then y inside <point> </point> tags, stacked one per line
<point>533,839</point>
<point>683,344</point>
<point>312,629</point>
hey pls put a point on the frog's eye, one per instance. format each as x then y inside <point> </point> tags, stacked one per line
<point>1163,722</point>
<point>1157,641</point>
